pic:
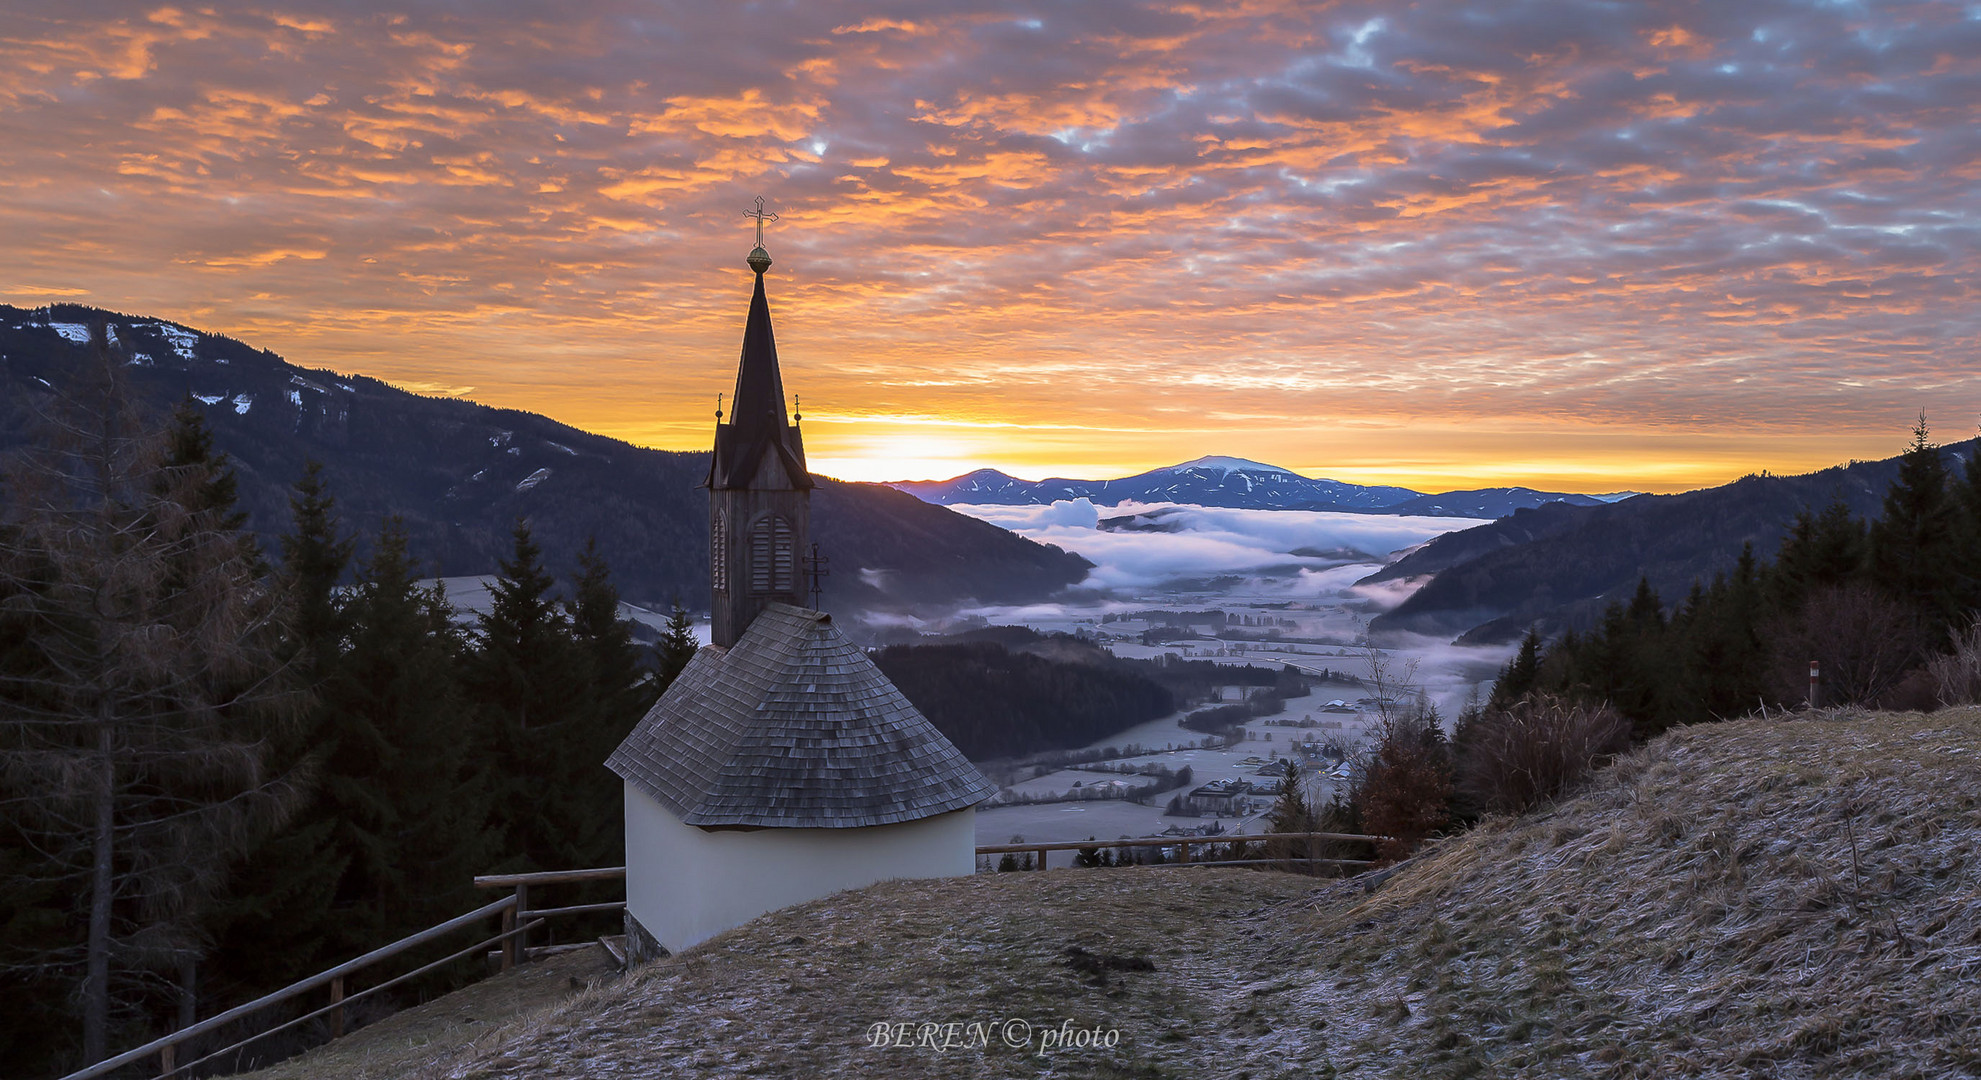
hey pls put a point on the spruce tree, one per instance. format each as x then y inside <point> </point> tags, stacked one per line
<point>278,922</point>
<point>1968,540</point>
<point>314,559</point>
<point>526,680</point>
<point>677,646</point>
<point>1725,660</point>
<point>1914,553</point>
<point>415,810</point>
<point>1517,679</point>
<point>1823,549</point>
<point>618,691</point>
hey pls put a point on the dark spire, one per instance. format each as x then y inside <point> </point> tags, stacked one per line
<point>758,424</point>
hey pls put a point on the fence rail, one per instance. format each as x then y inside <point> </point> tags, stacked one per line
<point>516,950</point>
<point>1183,844</point>
<point>166,1046</point>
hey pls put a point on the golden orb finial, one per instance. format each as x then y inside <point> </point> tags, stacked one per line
<point>759,258</point>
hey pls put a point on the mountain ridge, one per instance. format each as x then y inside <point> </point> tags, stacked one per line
<point>1558,566</point>
<point>460,473</point>
<point>1231,482</point>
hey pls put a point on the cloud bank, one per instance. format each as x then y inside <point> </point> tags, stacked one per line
<point>1309,553</point>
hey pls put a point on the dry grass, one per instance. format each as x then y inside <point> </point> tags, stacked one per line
<point>1756,899</point>
<point>412,1042</point>
<point>1761,898</point>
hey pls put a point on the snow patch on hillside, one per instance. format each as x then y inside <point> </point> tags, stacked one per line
<point>182,340</point>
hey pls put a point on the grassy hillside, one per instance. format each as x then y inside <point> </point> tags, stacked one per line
<point>1753,899</point>
<point>1786,898</point>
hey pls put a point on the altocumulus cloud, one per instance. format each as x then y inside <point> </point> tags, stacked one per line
<point>1551,215</point>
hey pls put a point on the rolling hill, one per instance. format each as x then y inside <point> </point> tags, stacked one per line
<point>461,474</point>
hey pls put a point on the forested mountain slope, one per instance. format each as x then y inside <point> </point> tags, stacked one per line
<point>461,473</point>
<point>1560,565</point>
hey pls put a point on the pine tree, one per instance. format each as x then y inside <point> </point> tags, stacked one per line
<point>1517,679</point>
<point>526,681</point>
<point>134,733</point>
<point>619,690</point>
<point>415,810</point>
<point>1914,556</point>
<point>278,923</point>
<point>677,646</point>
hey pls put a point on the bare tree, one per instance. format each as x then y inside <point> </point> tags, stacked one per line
<point>1404,784</point>
<point>1865,640</point>
<point>1957,675</point>
<point>1536,749</point>
<point>141,680</point>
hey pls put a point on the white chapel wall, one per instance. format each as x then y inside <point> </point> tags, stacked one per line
<point>686,884</point>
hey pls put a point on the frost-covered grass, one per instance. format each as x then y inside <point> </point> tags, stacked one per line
<point>1760,898</point>
<point>1763,898</point>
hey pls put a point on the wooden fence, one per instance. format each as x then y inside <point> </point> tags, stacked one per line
<point>166,1048</point>
<point>1183,844</point>
<point>522,916</point>
<point>518,919</point>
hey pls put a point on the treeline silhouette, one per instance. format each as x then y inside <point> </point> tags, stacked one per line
<point>1877,604</point>
<point>332,782</point>
<point>1007,691</point>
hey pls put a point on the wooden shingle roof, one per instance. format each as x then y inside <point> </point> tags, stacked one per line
<point>793,727</point>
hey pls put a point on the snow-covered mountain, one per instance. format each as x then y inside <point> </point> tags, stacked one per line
<point>1237,482</point>
<point>1207,481</point>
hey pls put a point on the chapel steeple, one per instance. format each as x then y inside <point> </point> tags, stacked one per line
<point>759,490</point>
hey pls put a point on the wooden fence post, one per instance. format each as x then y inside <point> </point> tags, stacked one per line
<point>337,1015</point>
<point>1815,682</point>
<point>168,1059</point>
<point>508,943</point>
<point>522,939</point>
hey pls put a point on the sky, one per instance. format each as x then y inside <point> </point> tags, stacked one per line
<point>1445,244</point>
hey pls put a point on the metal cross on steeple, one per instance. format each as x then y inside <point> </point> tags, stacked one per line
<point>761,217</point>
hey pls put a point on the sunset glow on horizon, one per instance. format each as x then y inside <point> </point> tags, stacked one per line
<point>1441,245</point>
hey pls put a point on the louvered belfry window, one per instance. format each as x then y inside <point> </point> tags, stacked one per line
<point>718,551</point>
<point>773,556</point>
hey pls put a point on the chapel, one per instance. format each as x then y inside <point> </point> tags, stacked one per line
<point>781,765</point>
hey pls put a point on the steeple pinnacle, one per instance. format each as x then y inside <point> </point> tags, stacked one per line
<point>759,491</point>
<point>758,425</point>
<point>759,259</point>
